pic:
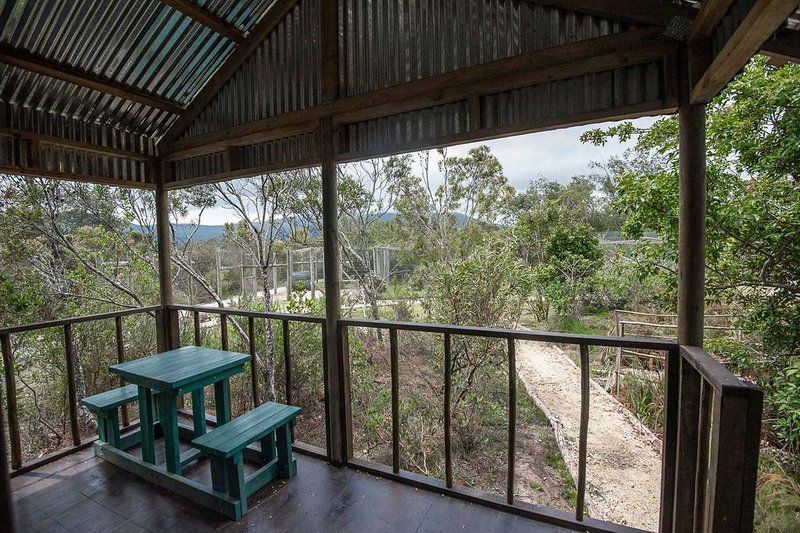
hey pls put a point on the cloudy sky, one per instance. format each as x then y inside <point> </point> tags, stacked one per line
<point>556,155</point>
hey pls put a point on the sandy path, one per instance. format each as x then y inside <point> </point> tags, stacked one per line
<point>624,458</point>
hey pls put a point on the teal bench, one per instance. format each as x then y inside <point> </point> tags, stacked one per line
<point>271,425</point>
<point>104,406</point>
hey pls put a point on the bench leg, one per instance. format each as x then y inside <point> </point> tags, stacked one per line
<point>219,481</point>
<point>234,471</point>
<point>269,450</point>
<point>222,402</point>
<point>147,430</point>
<point>288,463</point>
<point>199,412</point>
<point>169,423</point>
<point>108,427</point>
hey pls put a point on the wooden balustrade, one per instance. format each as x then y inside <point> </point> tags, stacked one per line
<point>711,422</point>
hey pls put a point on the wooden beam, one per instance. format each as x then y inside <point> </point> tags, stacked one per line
<point>708,18</point>
<point>243,51</point>
<point>41,65</point>
<point>78,145</point>
<point>34,172</point>
<point>584,57</point>
<point>206,18</point>
<point>785,46</point>
<point>650,12</point>
<point>764,18</point>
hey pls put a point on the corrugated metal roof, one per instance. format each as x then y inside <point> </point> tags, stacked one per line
<point>143,44</point>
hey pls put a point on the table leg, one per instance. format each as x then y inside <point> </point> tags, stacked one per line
<point>199,412</point>
<point>146,425</point>
<point>222,401</point>
<point>168,404</point>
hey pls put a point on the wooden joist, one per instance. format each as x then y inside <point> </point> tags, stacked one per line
<point>41,65</point>
<point>584,57</point>
<point>206,18</point>
<point>763,19</point>
<point>707,19</point>
<point>38,172</point>
<point>785,46</point>
<point>242,52</point>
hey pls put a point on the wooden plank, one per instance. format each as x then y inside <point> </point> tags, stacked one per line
<point>207,19</point>
<point>72,395</point>
<point>764,18</point>
<point>53,69</point>
<point>223,329</point>
<point>226,71</point>
<point>583,436</point>
<point>670,438</point>
<point>395,372</point>
<point>198,333</point>
<point>687,446</point>
<point>69,176</point>
<point>111,399</point>
<point>448,391</point>
<point>76,320</point>
<point>77,145</point>
<point>512,419</point>
<point>11,402</point>
<point>704,432</point>
<point>180,485</point>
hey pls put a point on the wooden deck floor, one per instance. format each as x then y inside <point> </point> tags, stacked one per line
<point>85,494</point>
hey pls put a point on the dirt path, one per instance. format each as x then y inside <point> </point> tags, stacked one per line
<point>624,460</point>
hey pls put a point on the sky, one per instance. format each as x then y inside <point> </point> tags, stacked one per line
<point>554,155</point>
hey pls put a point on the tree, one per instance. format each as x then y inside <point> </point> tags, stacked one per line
<point>367,194</point>
<point>753,136</point>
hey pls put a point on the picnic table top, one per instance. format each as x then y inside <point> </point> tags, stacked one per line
<point>172,370</point>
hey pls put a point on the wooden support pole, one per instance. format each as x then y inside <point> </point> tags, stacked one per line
<point>692,219</point>
<point>169,331</point>
<point>7,516</point>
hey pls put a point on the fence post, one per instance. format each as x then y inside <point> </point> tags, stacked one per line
<point>72,396</point>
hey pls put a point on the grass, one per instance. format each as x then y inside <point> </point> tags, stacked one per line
<point>555,460</point>
<point>777,497</point>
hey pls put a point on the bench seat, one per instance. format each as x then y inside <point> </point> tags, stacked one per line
<point>269,424</point>
<point>104,406</point>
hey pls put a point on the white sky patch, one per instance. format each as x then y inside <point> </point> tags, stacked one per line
<point>554,155</point>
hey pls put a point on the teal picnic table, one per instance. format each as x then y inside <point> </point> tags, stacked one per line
<point>169,375</point>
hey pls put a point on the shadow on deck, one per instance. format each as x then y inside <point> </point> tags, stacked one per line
<point>82,493</point>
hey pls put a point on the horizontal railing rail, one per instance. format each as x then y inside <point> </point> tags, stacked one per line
<point>14,434</point>
<point>511,337</point>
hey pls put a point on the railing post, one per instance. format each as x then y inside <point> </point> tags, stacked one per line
<point>670,439</point>
<point>687,446</point>
<point>448,391</point>
<point>11,402</point>
<point>251,334</point>
<point>7,516</point>
<point>395,371</point>
<point>72,396</point>
<point>512,418</point>
<point>121,359</point>
<point>583,432</point>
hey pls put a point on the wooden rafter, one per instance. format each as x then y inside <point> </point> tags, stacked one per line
<point>650,12</point>
<point>710,14</point>
<point>254,38</point>
<point>764,18</point>
<point>785,46</point>
<point>206,18</point>
<point>575,59</point>
<point>38,172</point>
<point>41,65</point>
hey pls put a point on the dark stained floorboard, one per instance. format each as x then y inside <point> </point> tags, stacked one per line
<point>85,494</point>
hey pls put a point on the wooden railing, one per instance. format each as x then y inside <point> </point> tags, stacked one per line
<point>67,324</point>
<point>711,422</point>
<point>710,444</point>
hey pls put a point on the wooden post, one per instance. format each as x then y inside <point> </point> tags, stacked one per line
<point>692,218</point>
<point>169,331</point>
<point>339,422</point>
<point>7,516</point>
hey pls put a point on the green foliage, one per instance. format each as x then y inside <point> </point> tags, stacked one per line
<point>777,498</point>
